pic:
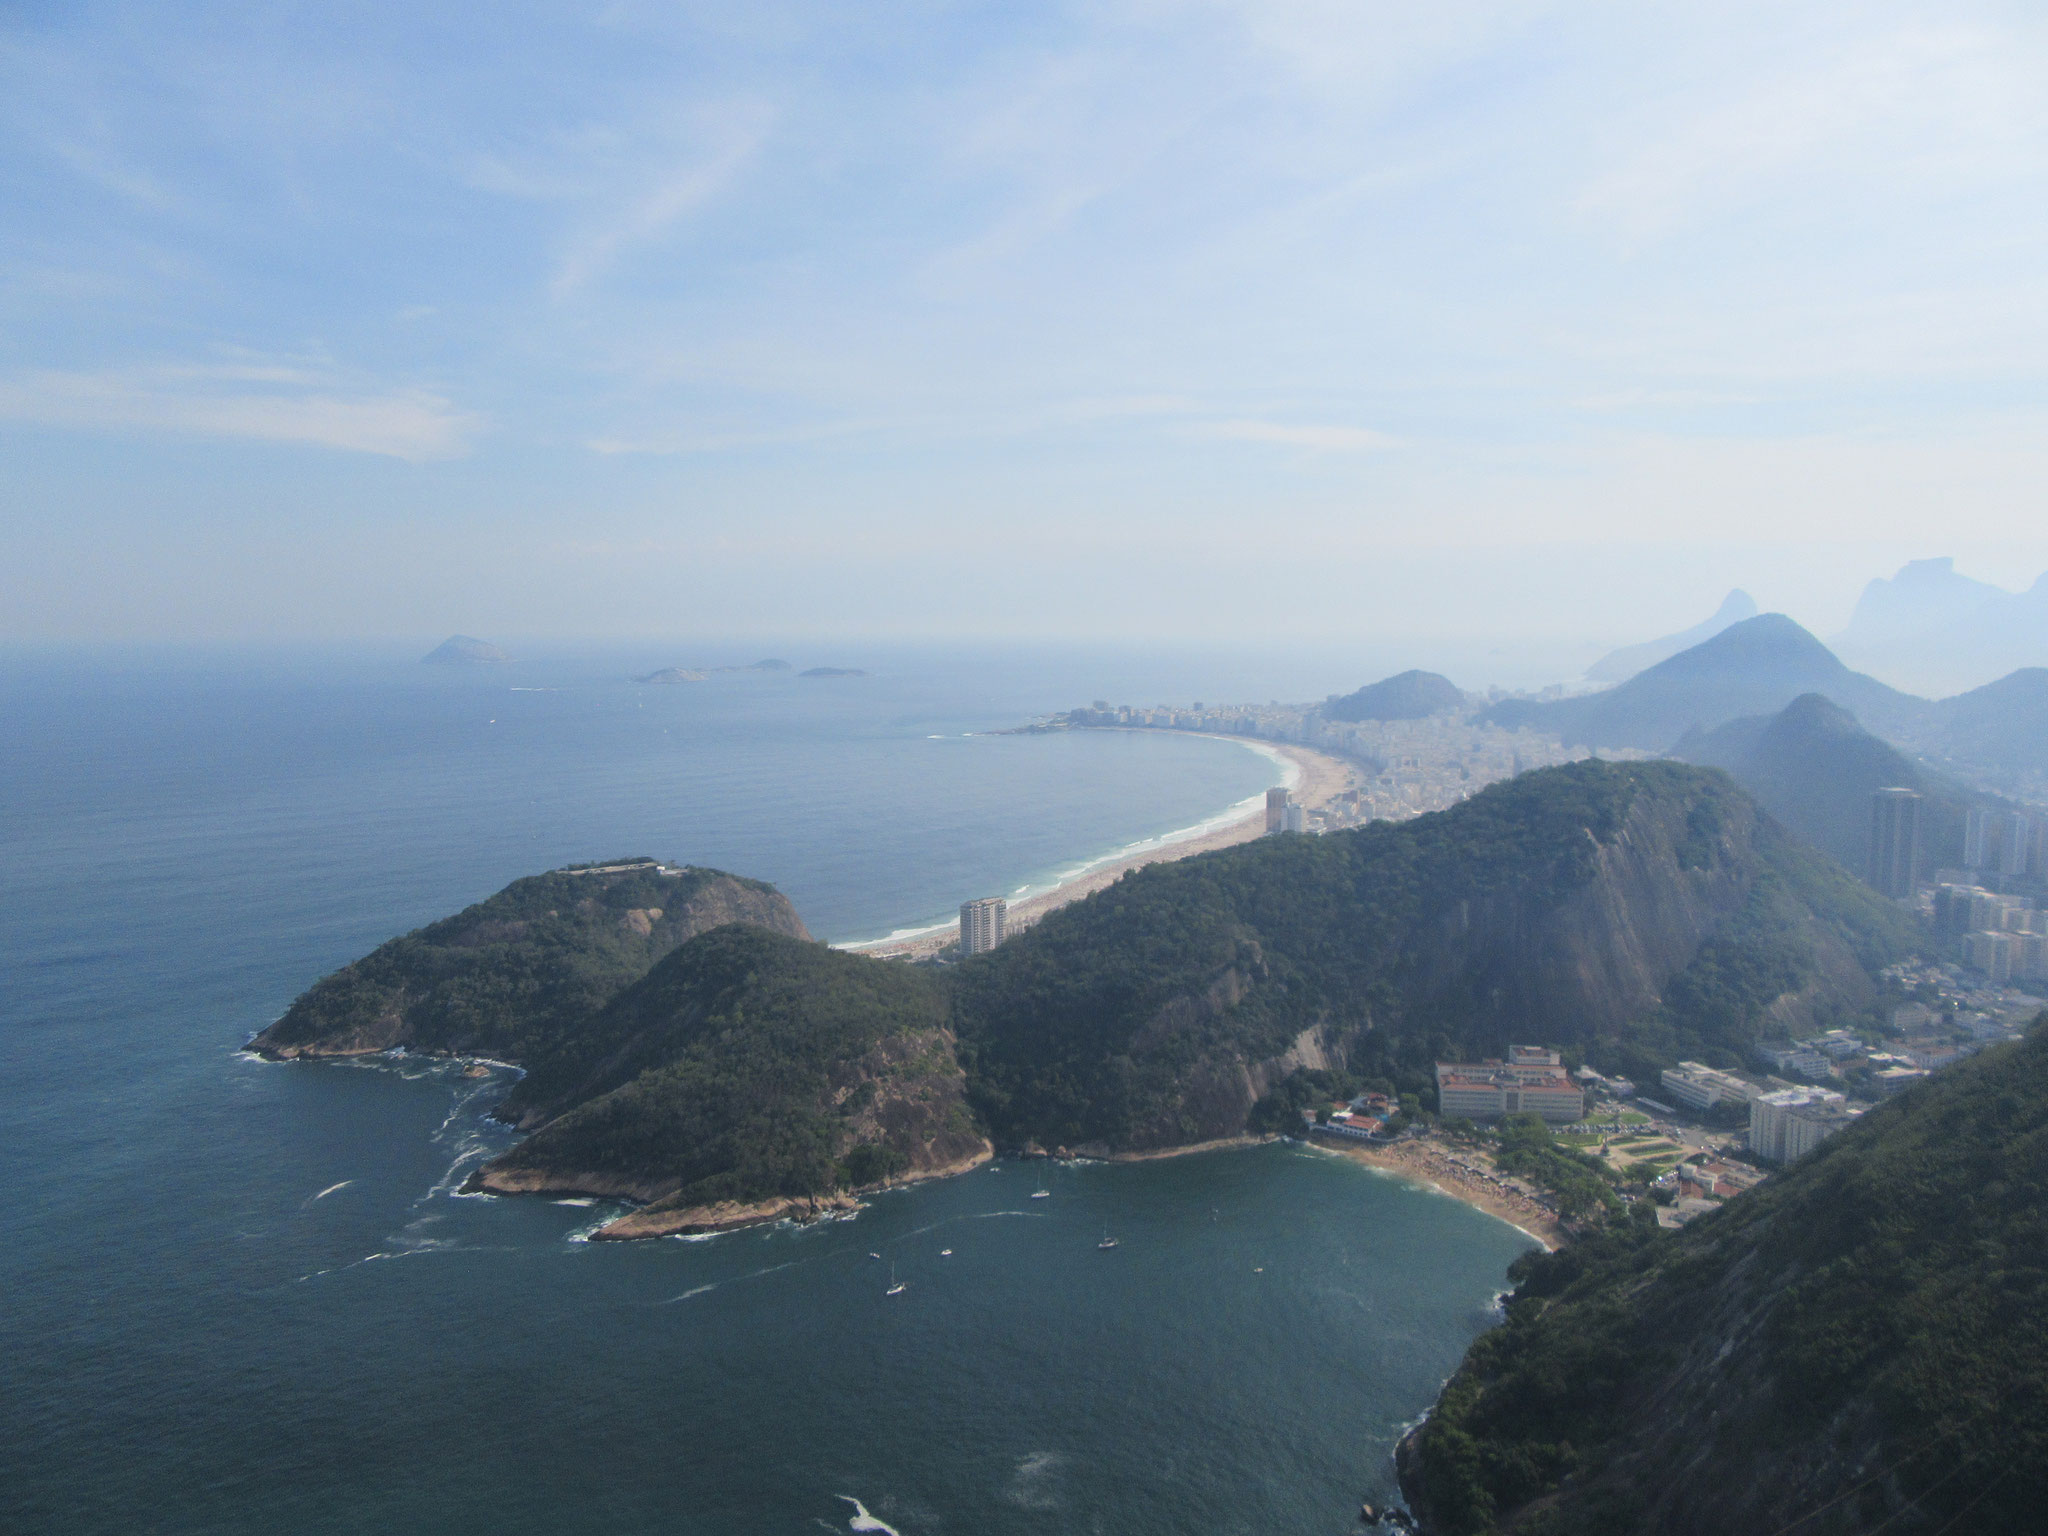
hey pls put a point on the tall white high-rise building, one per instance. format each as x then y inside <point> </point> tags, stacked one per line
<point>982,924</point>
<point>1980,838</point>
<point>1895,841</point>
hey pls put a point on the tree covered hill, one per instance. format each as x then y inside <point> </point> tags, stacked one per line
<point>747,1067</point>
<point>1411,695</point>
<point>1634,912</point>
<point>518,970</point>
<point>1859,1344</point>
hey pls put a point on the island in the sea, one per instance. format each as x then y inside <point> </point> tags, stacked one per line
<point>465,651</point>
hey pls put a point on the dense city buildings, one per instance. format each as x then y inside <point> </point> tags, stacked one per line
<point>1413,766</point>
<point>982,924</point>
<point>1532,1081</point>
<point>1895,842</point>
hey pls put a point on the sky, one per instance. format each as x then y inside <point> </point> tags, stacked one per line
<point>1262,322</point>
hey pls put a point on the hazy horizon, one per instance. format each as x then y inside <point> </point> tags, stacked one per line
<point>1276,324</point>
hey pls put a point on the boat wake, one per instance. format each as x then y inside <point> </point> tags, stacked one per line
<point>863,1521</point>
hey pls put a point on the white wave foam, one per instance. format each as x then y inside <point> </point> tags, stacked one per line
<point>330,1189</point>
<point>863,1521</point>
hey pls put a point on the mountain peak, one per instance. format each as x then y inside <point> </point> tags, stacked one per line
<point>1409,695</point>
<point>1619,666</point>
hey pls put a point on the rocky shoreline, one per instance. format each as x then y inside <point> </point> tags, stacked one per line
<point>732,1215</point>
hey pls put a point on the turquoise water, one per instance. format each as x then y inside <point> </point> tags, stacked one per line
<point>243,1296</point>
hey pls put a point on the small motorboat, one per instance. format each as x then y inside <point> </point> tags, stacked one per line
<point>945,1253</point>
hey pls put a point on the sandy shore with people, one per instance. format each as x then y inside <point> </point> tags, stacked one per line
<point>1463,1176</point>
<point>1318,780</point>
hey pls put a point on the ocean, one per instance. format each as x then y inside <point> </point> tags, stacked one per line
<point>245,1297</point>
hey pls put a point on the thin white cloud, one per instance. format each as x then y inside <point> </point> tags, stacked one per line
<point>218,401</point>
<point>1324,439</point>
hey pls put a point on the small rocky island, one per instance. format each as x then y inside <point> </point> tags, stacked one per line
<point>465,651</point>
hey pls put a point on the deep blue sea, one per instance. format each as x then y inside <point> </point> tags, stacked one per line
<point>242,1297</point>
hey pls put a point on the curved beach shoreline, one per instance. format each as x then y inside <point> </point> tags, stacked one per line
<point>1316,778</point>
<point>1421,1164</point>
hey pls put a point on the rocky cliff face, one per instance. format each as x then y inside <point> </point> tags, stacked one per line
<point>505,976</point>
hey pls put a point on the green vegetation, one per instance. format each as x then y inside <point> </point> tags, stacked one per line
<point>749,1065</point>
<point>515,973</point>
<point>1580,1185</point>
<point>1121,1020</point>
<point>1882,1304</point>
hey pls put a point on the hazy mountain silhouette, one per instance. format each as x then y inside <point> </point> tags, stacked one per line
<point>1619,666</point>
<point>1756,667</point>
<point>1814,768</point>
<point>1935,630</point>
<point>1404,696</point>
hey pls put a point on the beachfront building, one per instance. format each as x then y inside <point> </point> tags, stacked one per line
<point>1700,1087</point>
<point>1791,1123</point>
<point>1277,802</point>
<point>1294,818</point>
<point>1532,1081</point>
<point>982,923</point>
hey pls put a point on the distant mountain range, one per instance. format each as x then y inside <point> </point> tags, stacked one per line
<point>1412,695</point>
<point>1995,736</point>
<point>1619,666</point>
<point>1932,629</point>
<point>1756,667</point>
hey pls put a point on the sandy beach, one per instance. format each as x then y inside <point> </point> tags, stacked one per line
<point>1319,779</point>
<point>1462,1175</point>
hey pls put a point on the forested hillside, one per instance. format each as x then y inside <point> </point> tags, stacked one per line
<point>1860,1344</point>
<point>1631,912</point>
<point>518,970</point>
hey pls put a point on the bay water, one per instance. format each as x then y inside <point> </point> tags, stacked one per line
<point>245,1297</point>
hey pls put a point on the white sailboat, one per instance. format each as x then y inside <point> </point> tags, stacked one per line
<point>1107,1240</point>
<point>896,1287</point>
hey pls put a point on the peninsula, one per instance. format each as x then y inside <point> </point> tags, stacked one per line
<point>689,1047</point>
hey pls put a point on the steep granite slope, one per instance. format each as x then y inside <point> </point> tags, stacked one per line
<point>518,970</point>
<point>746,1075</point>
<point>1859,1345</point>
<point>1631,911</point>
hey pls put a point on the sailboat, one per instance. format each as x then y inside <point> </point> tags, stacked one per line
<point>1107,1240</point>
<point>1041,1192</point>
<point>896,1287</point>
